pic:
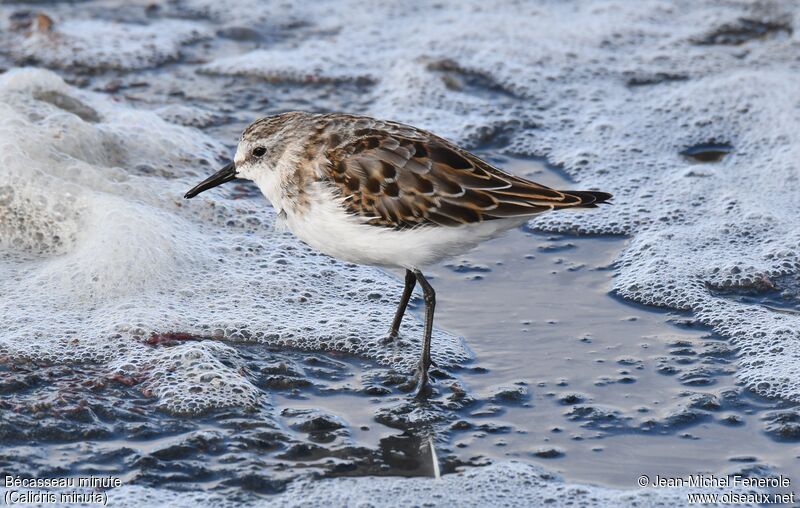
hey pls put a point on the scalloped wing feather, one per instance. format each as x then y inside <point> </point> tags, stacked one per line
<point>398,176</point>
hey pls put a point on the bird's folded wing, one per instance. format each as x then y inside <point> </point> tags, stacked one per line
<point>397,176</point>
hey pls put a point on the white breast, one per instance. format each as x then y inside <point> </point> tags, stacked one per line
<point>327,227</point>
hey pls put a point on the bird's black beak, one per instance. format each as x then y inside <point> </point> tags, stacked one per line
<point>225,174</point>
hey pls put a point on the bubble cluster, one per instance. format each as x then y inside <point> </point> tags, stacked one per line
<point>508,484</point>
<point>504,485</point>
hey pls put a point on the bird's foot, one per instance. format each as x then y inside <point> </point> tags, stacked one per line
<point>392,336</point>
<point>423,384</point>
<point>424,391</point>
<point>423,380</point>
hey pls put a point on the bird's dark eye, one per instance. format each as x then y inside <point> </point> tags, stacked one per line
<point>259,151</point>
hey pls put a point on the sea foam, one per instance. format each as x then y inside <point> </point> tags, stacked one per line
<point>95,43</point>
<point>99,253</point>
<point>508,484</point>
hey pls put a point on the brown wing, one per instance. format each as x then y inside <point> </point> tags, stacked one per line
<point>398,176</point>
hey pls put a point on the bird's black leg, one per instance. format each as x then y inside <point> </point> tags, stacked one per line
<point>429,296</point>
<point>411,281</point>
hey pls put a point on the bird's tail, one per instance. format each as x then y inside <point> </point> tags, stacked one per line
<point>584,199</point>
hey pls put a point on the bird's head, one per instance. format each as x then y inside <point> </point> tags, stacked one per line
<point>261,146</point>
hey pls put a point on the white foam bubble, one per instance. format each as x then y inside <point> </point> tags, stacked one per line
<point>613,91</point>
<point>102,252</point>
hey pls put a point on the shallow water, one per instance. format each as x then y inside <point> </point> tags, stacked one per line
<point>565,374</point>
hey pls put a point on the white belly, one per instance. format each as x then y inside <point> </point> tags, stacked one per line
<point>326,227</point>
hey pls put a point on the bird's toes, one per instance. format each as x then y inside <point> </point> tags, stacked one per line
<point>391,337</point>
<point>424,392</point>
